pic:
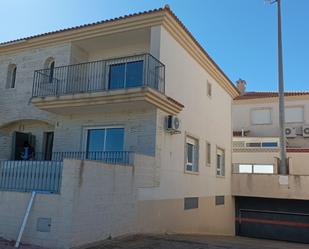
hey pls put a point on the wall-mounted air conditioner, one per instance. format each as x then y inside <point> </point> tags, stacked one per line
<point>172,124</point>
<point>290,132</point>
<point>306,131</point>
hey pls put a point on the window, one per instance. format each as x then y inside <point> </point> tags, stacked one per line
<point>261,116</point>
<point>190,203</point>
<point>209,90</point>
<point>191,154</point>
<point>49,65</point>
<point>126,75</point>
<point>101,140</point>
<point>11,76</point>
<point>294,114</point>
<point>263,168</point>
<point>208,154</point>
<point>51,72</point>
<point>253,144</point>
<point>220,162</point>
<point>244,168</point>
<point>255,168</point>
<point>269,144</point>
<point>220,200</point>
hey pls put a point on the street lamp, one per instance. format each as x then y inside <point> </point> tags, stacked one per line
<point>283,169</point>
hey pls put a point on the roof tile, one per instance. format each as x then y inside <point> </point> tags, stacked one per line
<point>258,95</point>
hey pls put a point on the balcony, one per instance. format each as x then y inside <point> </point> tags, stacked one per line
<point>129,81</point>
<point>255,143</point>
<point>43,172</point>
<point>261,179</point>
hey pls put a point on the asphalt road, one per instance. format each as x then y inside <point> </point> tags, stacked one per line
<point>195,242</point>
<point>181,242</point>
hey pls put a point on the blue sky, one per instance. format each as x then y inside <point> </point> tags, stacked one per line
<point>240,35</point>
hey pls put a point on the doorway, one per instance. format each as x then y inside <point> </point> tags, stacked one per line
<point>19,140</point>
<point>48,145</point>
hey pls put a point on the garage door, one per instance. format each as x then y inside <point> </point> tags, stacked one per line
<point>268,219</point>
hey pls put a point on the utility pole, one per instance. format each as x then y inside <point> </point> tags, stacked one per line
<point>283,169</point>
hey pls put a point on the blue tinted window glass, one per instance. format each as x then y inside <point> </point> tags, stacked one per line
<point>114,139</point>
<point>95,140</point>
<point>117,76</point>
<point>134,74</point>
<point>270,144</point>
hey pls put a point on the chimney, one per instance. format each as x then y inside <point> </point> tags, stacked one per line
<point>241,86</point>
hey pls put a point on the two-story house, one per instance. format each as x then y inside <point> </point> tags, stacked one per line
<point>269,205</point>
<point>112,127</point>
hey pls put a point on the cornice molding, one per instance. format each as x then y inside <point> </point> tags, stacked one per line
<point>270,100</point>
<point>109,97</point>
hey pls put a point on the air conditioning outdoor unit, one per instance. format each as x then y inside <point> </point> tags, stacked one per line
<point>290,132</point>
<point>172,124</point>
<point>306,131</point>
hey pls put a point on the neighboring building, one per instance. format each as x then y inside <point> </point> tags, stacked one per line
<point>269,205</point>
<point>257,114</point>
<point>93,103</point>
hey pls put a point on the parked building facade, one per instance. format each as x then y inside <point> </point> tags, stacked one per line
<point>119,118</point>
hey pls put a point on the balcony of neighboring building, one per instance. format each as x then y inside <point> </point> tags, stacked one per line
<point>255,169</point>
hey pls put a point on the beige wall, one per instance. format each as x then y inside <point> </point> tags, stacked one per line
<point>271,186</point>
<point>186,81</point>
<point>96,201</point>
<point>299,163</point>
<point>169,216</point>
<point>257,157</point>
<point>112,46</point>
<point>242,118</point>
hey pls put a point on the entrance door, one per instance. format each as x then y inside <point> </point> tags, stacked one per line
<point>19,140</point>
<point>48,145</point>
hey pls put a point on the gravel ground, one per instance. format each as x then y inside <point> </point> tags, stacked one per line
<point>195,242</point>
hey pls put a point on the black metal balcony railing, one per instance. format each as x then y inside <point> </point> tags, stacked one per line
<point>104,75</point>
<point>110,157</point>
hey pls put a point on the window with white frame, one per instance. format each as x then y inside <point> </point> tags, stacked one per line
<point>294,114</point>
<point>209,89</point>
<point>261,116</point>
<point>220,162</point>
<point>99,140</point>
<point>191,154</point>
<point>208,153</point>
